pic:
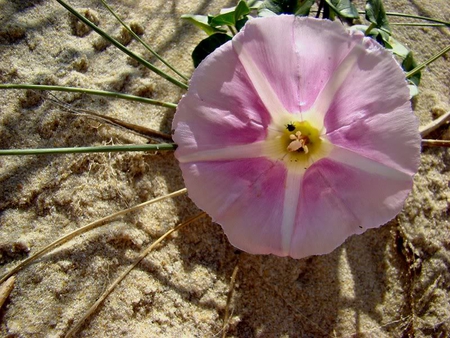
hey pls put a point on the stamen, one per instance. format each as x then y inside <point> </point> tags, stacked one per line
<point>298,142</point>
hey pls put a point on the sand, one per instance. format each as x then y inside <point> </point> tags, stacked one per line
<point>388,282</point>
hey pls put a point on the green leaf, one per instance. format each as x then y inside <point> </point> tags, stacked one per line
<point>226,19</point>
<point>207,46</point>
<point>413,90</point>
<point>229,16</point>
<point>201,21</point>
<point>384,37</point>
<point>409,64</point>
<point>376,14</point>
<point>397,48</point>
<point>343,8</point>
<point>264,13</point>
<point>241,10</point>
<point>304,7</point>
<point>254,4</point>
<point>378,35</point>
<point>277,7</point>
<point>280,6</point>
<point>241,23</point>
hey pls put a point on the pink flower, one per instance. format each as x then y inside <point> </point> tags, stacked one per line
<point>297,134</point>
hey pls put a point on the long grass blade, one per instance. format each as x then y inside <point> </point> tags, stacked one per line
<point>84,229</point>
<point>99,149</point>
<point>90,92</point>
<point>416,24</point>
<point>142,41</point>
<point>412,16</point>
<point>116,43</point>
<point>403,15</point>
<point>429,61</point>
<point>148,133</point>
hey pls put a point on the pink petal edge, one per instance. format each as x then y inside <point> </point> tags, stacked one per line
<point>362,184</point>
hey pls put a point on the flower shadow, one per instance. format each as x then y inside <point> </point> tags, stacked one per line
<point>345,292</point>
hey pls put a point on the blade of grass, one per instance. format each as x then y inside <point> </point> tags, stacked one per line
<point>150,134</point>
<point>98,149</point>
<point>90,92</point>
<point>426,63</point>
<point>412,16</point>
<point>403,15</point>
<point>417,24</point>
<point>84,229</point>
<point>435,143</point>
<point>142,41</point>
<point>116,43</point>
<point>226,317</point>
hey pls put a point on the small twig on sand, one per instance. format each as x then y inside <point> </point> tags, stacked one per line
<point>432,126</point>
<point>435,143</point>
<point>5,289</point>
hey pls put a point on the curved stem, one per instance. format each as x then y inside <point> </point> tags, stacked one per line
<point>89,91</point>
<point>122,47</point>
<point>433,125</point>
<point>372,26</point>
<point>99,149</point>
<point>142,41</point>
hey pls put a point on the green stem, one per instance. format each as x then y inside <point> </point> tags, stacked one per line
<point>426,63</point>
<point>417,24</point>
<point>371,26</point>
<point>99,149</point>
<point>91,92</point>
<point>403,15</point>
<point>143,42</point>
<point>233,32</point>
<point>122,47</point>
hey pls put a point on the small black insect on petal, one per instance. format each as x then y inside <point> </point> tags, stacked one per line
<point>290,126</point>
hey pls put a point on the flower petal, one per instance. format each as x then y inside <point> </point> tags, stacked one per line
<point>270,63</point>
<point>371,113</point>
<point>338,201</point>
<point>221,101</point>
<point>321,46</point>
<point>248,200</point>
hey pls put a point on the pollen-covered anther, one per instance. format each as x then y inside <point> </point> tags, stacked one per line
<point>298,142</point>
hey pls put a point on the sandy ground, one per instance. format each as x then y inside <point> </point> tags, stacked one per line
<point>391,281</point>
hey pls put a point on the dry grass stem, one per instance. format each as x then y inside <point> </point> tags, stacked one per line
<point>5,289</point>
<point>141,256</point>
<point>84,229</point>
<point>226,317</point>
<point>435,143</point>
<point>432,126</point>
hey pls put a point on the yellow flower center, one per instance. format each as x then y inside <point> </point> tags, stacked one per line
<point>301,139</point>
<point>296,143</point>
